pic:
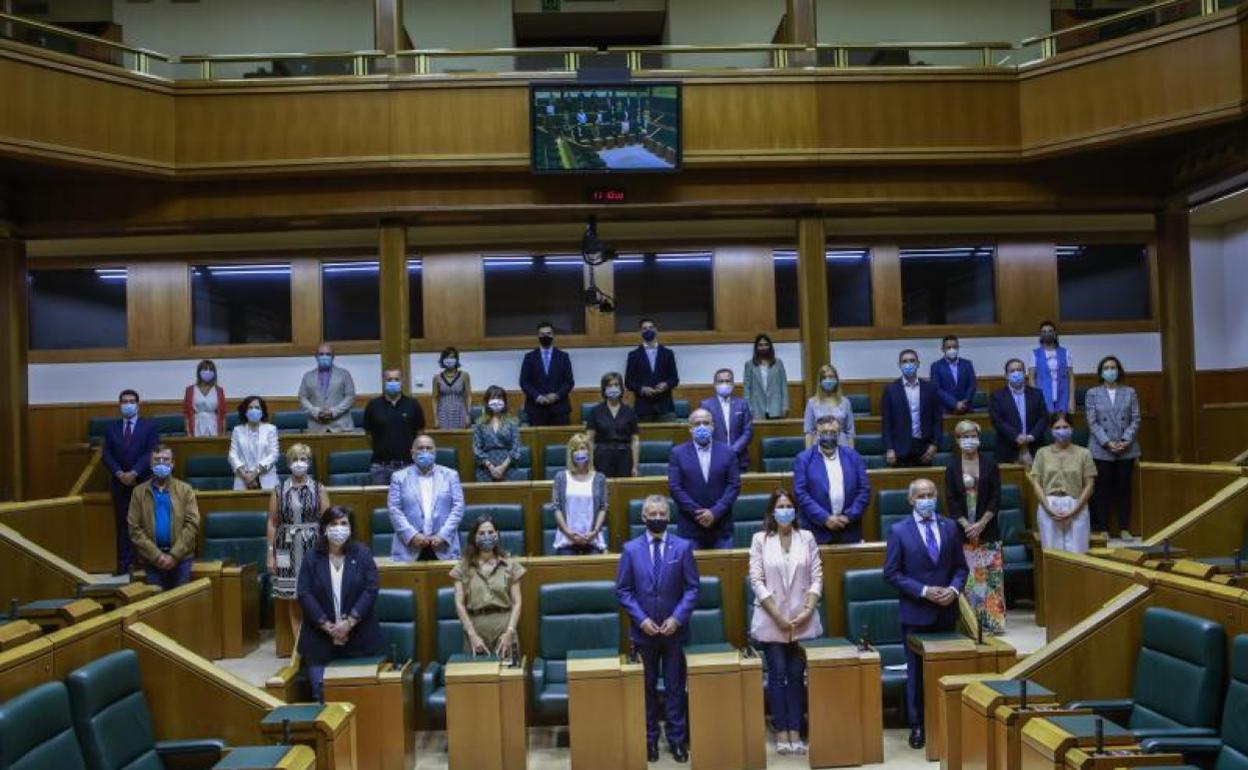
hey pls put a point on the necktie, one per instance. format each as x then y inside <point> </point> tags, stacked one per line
<point>655,559</point>
<point>127,432</point>
<point>546,360</point>
<point>933,550</point>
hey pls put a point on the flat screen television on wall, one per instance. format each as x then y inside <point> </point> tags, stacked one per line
<point>597,128</point>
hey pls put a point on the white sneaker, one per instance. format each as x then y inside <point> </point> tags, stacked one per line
<point>784,748</point>
<point>800,747</point>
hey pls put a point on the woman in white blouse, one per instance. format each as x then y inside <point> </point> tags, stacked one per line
<point>253,447</point>
<point>579,497</point>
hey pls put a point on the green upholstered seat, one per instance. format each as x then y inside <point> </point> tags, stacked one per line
<point>941,459</point>
<point>232,421</point>
<point>382,532</point>
<point>892,506</point>
<point>869,444</point>
<point>396,613</point>
<point>549,528</point>
<point>778,452</point>
<point>168,425</point>
<point>508,520</point>
<point>450,641</point>
<point>448,457</point>
<point>357,418</point>
<point>861,402</point>
<point>522,468</point>
<point>96,428</point>
<point>37,731</point>
<point>349,468</point>
<point>586,408</point>
<point>652,457</point>
<point>682,407</point>
<point>1019,561</point>
<point>291,421</point>
<point>571,616</point>
<point>706,625</point>
<point>874,605</point>
<point>1229,750</point>
<point>1179,676</point>
<point>208,472</point>
<point>113,723</point>
<point>554,459</point>
<point>979,400</point>
<point>635,525</point>
<point>747,518</point>
<point>240,536</point>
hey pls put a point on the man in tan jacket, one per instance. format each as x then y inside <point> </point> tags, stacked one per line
<point>164,523</point>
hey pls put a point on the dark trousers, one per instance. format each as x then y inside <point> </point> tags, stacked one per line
<point>914,670</point>
<point>540,414</point>
<point>708,539</point>
<point>786,683</point>
<point>669,654</point>
<point>913,458</point>
<point>380,473</point>
<point>1112,490</point>
<point>615,461</point>
<point>316,670</point>
<point>167,579</point>
<point>657,417</point>
<point>121,508</point>
<point>577,550</point>
<point>427,554</point>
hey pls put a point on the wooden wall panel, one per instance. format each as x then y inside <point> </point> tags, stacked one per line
<point>1166,492</point>
<point>480,125</point>
<point>1026,284</point>
<point>454,291</point>
<point>745,289</point>
<point>1222,432</point>
<point>1222,386</point>
<point>1216,528</point>
<point>158,306</point>
<point>1075,586</point>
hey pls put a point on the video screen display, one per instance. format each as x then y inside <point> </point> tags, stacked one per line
<point>582,128</point>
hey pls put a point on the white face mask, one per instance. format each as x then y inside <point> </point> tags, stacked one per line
<point>952,354</point>
<point>299,467</point>
<point>338,533</point>
<point>968,443</point>
<point>495,405</point>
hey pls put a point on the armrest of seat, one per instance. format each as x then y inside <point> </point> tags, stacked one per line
<point>190,754</point>
<point>1186,746</point>
<point>1176,733</point>
<point>429,680</point>
<point>1108,708</point>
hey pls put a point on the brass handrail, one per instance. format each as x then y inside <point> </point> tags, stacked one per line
<point>779,51</point>
<point>571,54</point>
<point>840,51</point>
<point>359,59</point>
<point>1048,42</point>
<point>142,56</point>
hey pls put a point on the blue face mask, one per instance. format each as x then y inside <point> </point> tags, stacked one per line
<point>1109,375</point>
<point>424,460</point>
<point>829,384</point>
<point>1062,435</point>
<point>702,434</point>
<point>162,470</point>
<point>207,375</point>
<point>324,361</point>
<point>1015,377</point>
<point>925,507</point>
<point>393,387</point>
<point>784,516</point>
<point>580,458</point>
<point>254,414</point>
<point>909,370</point>
<point>613,391</point>
<point>129,410</point>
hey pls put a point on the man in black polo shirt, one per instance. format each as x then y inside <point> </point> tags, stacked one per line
<point>392,421</point>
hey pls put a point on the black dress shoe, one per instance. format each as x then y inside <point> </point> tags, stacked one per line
<point>917,739</point>
<point>652,752</point>
<point>680,753</point>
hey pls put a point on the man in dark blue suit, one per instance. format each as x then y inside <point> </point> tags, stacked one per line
<point>832,487</point>
<point>954,378</point>
<point>546,379</point>
<point>910,411</point>
<point>1018,414</point>
<point>657,584</point>
<point>127,453</point>
<point>651,375</point>
<point>924,562</point>
<point>731,418</point>
<point>704,479</point>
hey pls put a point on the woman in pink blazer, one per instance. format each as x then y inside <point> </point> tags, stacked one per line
<point>786,577</point>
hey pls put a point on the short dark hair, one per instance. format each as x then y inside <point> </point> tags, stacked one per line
<point>246,402</point>
<point>948,338</point>
<point>128,392</point>
<point>332,514</point>
<point>608,378</point>
<point>1122,373</point>
<point>161,448</point>
<point>721,371</point>
<point>769,518</point>
<point>1047,323</point>
<point>1018,361</point>
<point>545,325</point>
<point>1057,417</point>
<point>207,363</point>
<point>448,350</point>
<point>911,351</point>
<point>644,320</point>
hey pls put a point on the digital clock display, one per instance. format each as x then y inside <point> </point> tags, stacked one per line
<point>607,195</point>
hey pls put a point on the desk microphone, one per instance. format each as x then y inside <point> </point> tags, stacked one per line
<point>14,604</point>
<point>1165,549</point>
<point>1238,556</point>
<point>864,638</point>
<point>1022,695</point>
<point>286,732</point>
<point>1100,736</point>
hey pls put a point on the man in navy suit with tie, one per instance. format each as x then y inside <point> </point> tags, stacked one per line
<point>657,585</point>
<point>832,487</point>
<point>954,378</point>
<point>924,562</point>
<point>127,453</point>
<point>704,478</point>
<point>651,375</point>
<point>546,379</point>
<point>910,412</point>
<point>731,418</point>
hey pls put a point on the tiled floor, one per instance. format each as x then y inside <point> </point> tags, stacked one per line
<point>548,746</point>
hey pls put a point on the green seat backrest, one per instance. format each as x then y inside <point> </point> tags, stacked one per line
<point>777,464</point>
<point>1081,435</point>
<point>1011,496</point>
<point>290,421</point>
<point>236,535</point>
<point>350,461</point>
<point>357,417</point>
<point>576,616</point>
<point>97,426</point>
<point>1180,671</point>
<point>475,413</point>
<point>750,507</point>
<point>586,409</point>
<point>706,625</point>
<point>942,459</point>
<point>655,452</point>
<point>524,458</point>
<point>448,457</point>
<point>450,634</point>
<point>861,402</point>
<point>170,424</point>
<point>110,714</point>
<point>1017,557</point>
<point>1081,395</point>
<point>871,602</point>
<point>652,469</point>
<point>783,446</point>
<point>382,532</point>
<point>211,483</point>
<point>682,408</point>
<point>37,731</point>
<point>207,465</point>
<point>396,614</point>
<point>869,444</point>
<point>1011,522</point>
<point>232,421</point>
<point>555,455</point>
<point>508,520</point>
<point>1234,755</point>
<point>979,400</point>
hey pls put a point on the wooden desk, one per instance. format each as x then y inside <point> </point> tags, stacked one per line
<point>1113,759</point>
<point>994,657</point>
<point>941,655</point>
<point>485,714</point>
<point>111,597</point>
<point>979,702</point>
<point>726,729</point>
<point>1047,740</point>
<point>606,711</point>
<point>383,697</point>
<point>268,758</point>
<point>328,729</point>
<point>17,632</point>
<point>1007,730</point>
<point>53,614</point>
<point>846,713</point>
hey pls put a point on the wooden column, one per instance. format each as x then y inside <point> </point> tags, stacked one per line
<point>799,27</point>
<point>1178,358</point>
<point>396,331</point>
<point>13,340</point>
<point>389,35</point>
<point>812,298</point>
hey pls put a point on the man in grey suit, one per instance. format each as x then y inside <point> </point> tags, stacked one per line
<point>327,394</point>
<point>426,502</point>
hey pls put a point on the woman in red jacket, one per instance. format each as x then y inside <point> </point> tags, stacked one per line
<point>203,406</point>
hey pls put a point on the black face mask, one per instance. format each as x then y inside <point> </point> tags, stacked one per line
<point>656,526</point>
<point>546,340</point>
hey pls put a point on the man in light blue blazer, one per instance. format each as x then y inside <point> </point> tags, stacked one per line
<point>704,479</point>
<point>832,487</point>
<point>733,422</point>
<point>426,502</point>
<point>657,585</point>
<point>954,378</point>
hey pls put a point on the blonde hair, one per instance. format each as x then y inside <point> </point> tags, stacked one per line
<point>966,425</point>
<point>579,441</point>
<point>835,398</point>
<point>298,450</point>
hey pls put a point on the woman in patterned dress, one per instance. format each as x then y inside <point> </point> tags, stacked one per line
<point>295,509</point>
<point>973,492</point>
<point>452,394</point>
<point>495,438</point>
